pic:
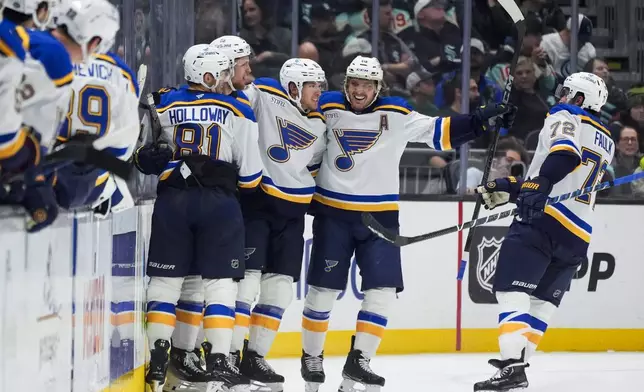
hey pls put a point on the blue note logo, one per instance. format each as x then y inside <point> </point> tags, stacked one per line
<point>351,142</point>
<point>330,264</point>
<point>292,137</point>
<point>248,252</point>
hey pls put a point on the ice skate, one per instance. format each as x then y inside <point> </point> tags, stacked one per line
<point>255,367</point>
<point>219,365</point>
<point>312,371</point>
<point>155,376</point>
<point>186,374</point>
<point>357,372</point>
<point>510,377</point>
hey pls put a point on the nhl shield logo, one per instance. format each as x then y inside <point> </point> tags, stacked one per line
<point>488,256</point>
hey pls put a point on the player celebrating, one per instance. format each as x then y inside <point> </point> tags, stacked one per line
<point>197,218</point>
<point>292,141</point>
<point>551,241</point>
<point>367,136</point>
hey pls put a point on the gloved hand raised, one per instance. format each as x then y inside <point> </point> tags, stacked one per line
<point>499,192</point>
<point>486,116</point>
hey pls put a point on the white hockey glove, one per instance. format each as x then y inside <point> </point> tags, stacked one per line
<point>499,192</point>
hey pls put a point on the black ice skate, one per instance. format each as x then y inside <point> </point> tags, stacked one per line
<point>510,376</point>
<point>219,365</point>
<point>312,371</point>
<point>155,376</point>
<point>200,357</point>
<point>186,374</point>
<point>255,367</point>
<point>357,371</point>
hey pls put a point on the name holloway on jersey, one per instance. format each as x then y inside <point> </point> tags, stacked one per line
<point>291,145</point>
<point>220,126</point>
<point>359,171</point>
<point>572,129</point>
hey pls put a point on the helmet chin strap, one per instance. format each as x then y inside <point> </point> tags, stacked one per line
<point>298,100</point>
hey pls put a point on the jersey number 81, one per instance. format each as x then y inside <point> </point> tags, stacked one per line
<point>194,139</point>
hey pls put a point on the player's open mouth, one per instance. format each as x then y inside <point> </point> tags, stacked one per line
<point>359,98</point>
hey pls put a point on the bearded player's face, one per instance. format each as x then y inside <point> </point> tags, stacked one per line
<point>242,76</point>
<point>361,93</point>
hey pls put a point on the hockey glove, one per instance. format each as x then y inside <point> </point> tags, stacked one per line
<point>40,203</point>
<point>152,159</point>
<point>486,116</point>
<point>532,198</point>
<point>499,192</point>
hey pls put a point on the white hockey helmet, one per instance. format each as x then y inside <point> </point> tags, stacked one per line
<point>30,7</point>
<point>300,71</point>
<point>232,46</point>
<point>590,85</point>
<point>188,60</point>
<point>215,63</point>
<point>88,19</point>
<point>366,68</point>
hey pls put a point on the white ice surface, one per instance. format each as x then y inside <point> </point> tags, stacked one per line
<point>549,372</point>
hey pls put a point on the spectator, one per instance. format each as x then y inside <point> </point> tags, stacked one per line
<point>633,116</point>
<point>271,44</point>
<point>550,16</point>
<point>531,107</point>
<point>616,97</point>
<point>396,57</point>
<point>488,90</point>
<point>453,96</point>
<point>627,158</point>
<point>323,42</point>
<point>437,40</point>
<point>511,159</point>
<point>557,47</point>
<point>421,87</point>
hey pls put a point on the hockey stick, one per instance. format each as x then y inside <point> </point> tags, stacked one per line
<point>400,240</point>
<point>155,123</point>
<point>141,77</point>
<point>511,7</point>
<point>86,153</point>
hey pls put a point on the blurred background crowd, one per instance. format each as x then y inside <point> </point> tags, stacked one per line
<point>420,45</point>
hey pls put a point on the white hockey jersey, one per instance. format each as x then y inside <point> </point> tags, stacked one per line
<point>104,102</point>
<point>45,89</point>
<point>14,42</point>
<point>570,128</point>
<point>359,171</point>
<point>291,145</point>
<point>216,125</point>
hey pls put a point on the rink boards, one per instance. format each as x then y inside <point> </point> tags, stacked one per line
<point>72,296</point>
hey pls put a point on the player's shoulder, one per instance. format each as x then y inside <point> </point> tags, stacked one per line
<point>14,40</point>
<point>241,97</point>
<point>115,60</point>
<point>184,96</point>
<point>270,86</point>
<point>571,111</point>
<point>392,104</point>
<point>53,56</point>
<point>331,100</point>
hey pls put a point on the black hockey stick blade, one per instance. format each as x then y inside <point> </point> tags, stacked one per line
<point>85,153</point>
<point>378,229</point>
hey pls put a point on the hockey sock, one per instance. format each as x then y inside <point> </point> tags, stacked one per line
<point>275,295</point>
<point>514,323</point>
<point>201,337</point>
<point>247,292</point>
<point>264,324</point>
<point>162,295</point>
<point>123,311</point>
<point>315,318</point>
<point>540,312</point>
<point>189,313</point>
<point>219,317</point>
<point>372,319</point>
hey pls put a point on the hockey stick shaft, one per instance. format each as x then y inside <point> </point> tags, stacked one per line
<point>514,11</point>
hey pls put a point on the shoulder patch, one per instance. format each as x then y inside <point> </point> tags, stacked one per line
<point>331,100</point>
<point>271,86</point>
<point>53,56</point>
<point>114,59</point>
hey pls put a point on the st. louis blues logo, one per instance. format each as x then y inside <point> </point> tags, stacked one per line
<point>330,264</point>
<point>292,137</point>
<point>488,256</point>
<point>351,142</point>
<point>248,252</point>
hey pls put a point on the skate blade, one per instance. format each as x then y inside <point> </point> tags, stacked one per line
<point>312,386</point>
<point>348,385</point>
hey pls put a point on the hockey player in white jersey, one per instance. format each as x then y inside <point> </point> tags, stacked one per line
<point>197,218</point>
<point>367,134</point>
<point>292,141</point>
<point>545,245</point>
<point>240,52</point>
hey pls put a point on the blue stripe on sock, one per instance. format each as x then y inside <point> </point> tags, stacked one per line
<point>372,317</point>
<point>522,318</point>
<point>242,307</point>
<point>313,315</point>
<point>219,310</point>
<point>269,310</point>
<point>119,307</point>
<point>157,306</point>
<point>537,324</point>
<point>190,306</point>
<point>502,316</point>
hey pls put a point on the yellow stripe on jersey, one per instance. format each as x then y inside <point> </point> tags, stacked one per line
<point>446,141</point>
<point>24,37</point>
<point>202,102</point>
<point>333,105</point>
<point>106,58</point>
<point>272,90</point>
<point>12,148</point>
<point>273,191</point>
<point>316,115</point>
<point>563,147</point>
<point>567,223</point>
<point>6,50</point>
<point>102,178</point>
<point>393,107</point>
<point>242,100</point>
<point>64,80</point>
<point>595,124</point>
<point>346,205</point>
<point>251,184</point>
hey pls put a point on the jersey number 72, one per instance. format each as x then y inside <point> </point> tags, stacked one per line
<point>597,168</point>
